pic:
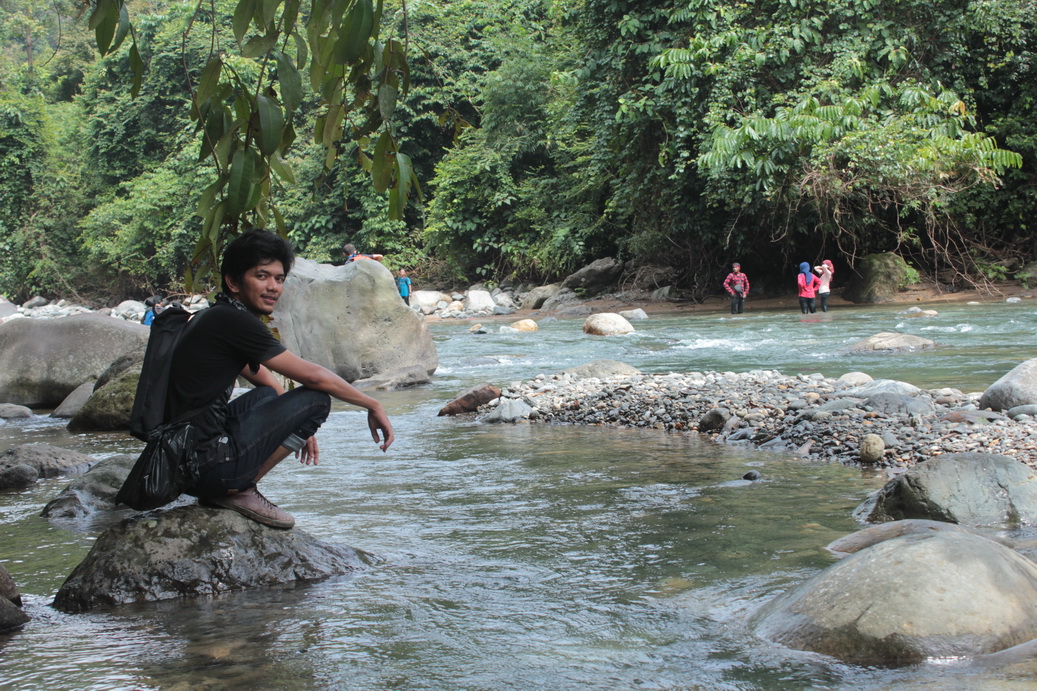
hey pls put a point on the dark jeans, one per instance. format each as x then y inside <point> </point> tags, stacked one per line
<point>406,299</point>
<point>824,301</point>
<point>807,305</point>
<point>257,424</point>
<point>737,303</point>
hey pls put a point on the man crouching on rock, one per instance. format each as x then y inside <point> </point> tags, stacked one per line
<point>243,439</point>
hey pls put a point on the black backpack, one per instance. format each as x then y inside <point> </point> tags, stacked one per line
<point>167,465</point>
<point>149,405</point>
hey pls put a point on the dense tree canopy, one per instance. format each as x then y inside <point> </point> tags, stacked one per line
<point>542,134</point>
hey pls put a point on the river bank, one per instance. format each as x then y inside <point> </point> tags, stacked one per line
<point>853,420</point>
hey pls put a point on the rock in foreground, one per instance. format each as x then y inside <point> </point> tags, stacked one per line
<point>967,488</point>
<point>190,551</point>
<point>910,599</point>
<point>1016,388</point>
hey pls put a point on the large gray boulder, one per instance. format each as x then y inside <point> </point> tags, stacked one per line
<point>909,599</point>
<point>189,551</point>
<point>351,319</point>
<point>594,278</point>
<point>47,460</point>
<point>879,278</point>
<point>966,488</point>
<point>43,360</point>
<point>1017,387</point>
<point>91,492</point>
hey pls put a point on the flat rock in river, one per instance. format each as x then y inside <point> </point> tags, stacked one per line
<point>191,550</point>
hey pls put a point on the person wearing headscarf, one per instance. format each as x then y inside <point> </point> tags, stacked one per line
<point>808,284</point>
<point>737,286</point>
<point>826,271</point>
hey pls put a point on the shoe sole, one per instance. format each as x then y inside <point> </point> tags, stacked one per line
<point>214,503</point>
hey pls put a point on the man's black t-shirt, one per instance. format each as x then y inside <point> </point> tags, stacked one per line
<point>218,344</point>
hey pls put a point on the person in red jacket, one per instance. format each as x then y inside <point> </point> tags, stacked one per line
<point>808,285</point>
<point>737,286</point>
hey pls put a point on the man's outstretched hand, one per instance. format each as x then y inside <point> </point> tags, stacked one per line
<point>381,428</point>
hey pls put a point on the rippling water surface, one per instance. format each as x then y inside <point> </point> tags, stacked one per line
<point>527,556</point>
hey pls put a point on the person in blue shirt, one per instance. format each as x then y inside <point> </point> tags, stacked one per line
<point>403,284</point>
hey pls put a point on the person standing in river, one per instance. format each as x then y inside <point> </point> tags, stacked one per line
<point>240,441</point>
<point>808,284</point>
<point>825,272</point>
<point>737,286</point>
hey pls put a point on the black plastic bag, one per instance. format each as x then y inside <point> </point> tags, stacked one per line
<point>160,474</point>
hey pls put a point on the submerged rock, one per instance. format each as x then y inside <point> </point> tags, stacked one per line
<point>969,488</point>
<point>911,599</point>
<point>189,551</point>
<point>894,342</point>
<point>874,534</point>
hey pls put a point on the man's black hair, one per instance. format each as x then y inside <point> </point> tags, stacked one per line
<point>252,248</point>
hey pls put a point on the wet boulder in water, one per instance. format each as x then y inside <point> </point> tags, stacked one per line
<point>189,551</point>
<point>11,615</point>
<point>607,324</point>
<point>48,460</point>
<point>967,488</point>
<point>909,599</point>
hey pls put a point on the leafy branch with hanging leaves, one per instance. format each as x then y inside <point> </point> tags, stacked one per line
<point>244,102</point>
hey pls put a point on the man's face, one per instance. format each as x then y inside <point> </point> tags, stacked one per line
<point>737,269</point>
<point>260,287</point>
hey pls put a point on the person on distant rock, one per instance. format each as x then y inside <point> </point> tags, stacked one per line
<point>403,284</point>
<point>240,441</point>
<point>808,285</point>
<point>352,255</point>
<point>737,286</point>
<point>825,272</point>
<point>154,306</point>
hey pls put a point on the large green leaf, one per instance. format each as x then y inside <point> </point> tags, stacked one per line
<point>291,82</point>
<point>356,32</point>
<point>271,124</point>
<point>239,185</point>
<point>242,18</point>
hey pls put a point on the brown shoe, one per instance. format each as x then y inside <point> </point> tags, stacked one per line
<point>251,504</point>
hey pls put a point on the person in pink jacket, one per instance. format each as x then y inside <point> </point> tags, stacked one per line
<point>825,271</point>
<point>737,286</point>
<point>808,285</point>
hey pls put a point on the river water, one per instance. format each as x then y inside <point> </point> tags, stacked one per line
<point>524,556</point>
